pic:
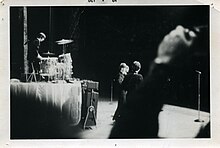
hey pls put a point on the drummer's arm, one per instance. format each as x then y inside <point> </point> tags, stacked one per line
<point>61,56</point>
<point>39,57</point>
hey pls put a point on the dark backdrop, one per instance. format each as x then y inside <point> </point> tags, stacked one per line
<point>106,36</point>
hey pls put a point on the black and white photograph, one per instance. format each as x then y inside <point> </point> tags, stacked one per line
<point>109,72</point>
<point>126,72</point>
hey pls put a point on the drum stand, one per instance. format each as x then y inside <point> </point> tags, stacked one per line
<point>90,110</point>
<point>32,75</point>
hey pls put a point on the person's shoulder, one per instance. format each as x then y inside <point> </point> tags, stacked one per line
<point>120,75</point>
<point>141,77</point>
<point>36,41</point>
<point>138,76</point>
<point>129,75</point>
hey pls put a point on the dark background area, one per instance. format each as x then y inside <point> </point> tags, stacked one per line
<point>106,36</point>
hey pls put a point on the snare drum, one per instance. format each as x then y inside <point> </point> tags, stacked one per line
<point>48,66</point>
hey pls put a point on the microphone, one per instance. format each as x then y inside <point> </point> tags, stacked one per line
<point>198,71</point>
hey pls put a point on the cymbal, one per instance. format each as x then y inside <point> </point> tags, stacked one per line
<point>48,53</point>
<point>64,41</point>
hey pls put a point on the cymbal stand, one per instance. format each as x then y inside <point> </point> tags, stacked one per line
<point>64,49</point>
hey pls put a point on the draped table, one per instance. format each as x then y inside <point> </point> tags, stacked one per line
<point>42,106</point>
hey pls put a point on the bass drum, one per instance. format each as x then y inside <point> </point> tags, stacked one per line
<point>48,66</point>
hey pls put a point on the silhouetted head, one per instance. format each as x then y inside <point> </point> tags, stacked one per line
<point>41,36</point>
<point>136,67</point>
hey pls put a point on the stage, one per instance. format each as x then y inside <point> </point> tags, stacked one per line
<point>41,112</point>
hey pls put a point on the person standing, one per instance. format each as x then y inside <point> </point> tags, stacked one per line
<point>123,70</point>
<point>34,56</point>
<point>133,79</point>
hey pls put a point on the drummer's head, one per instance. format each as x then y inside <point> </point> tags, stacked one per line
<point>41,36</point>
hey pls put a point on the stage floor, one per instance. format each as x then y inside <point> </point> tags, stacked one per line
<point>179,122</point>
<point>174,122</point>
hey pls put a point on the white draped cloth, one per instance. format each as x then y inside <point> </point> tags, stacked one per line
<point>66,98</point>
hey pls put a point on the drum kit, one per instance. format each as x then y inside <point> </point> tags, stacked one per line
<point>57,68</point>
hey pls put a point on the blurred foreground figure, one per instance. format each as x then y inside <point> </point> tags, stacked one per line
<point>139,117</point>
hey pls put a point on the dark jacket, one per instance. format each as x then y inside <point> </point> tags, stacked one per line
<point>131,82</point>
<point>121,94</point>
<point>33,50</point>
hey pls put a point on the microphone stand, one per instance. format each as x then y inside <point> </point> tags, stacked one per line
<point>111,97</point>
<point>199,75</point>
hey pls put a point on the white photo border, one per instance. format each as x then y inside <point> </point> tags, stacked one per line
<point>5,73</point>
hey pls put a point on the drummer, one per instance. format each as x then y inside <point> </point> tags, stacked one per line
<point>33,52</point>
